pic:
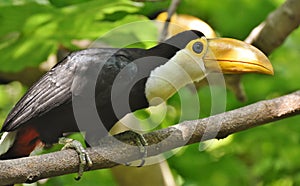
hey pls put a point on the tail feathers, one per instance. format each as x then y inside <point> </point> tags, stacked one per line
<point>6,141</point>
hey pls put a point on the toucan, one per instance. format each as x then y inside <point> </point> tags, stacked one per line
<point>114,82</point>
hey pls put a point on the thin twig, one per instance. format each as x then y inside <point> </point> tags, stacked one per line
<point>171,11</point>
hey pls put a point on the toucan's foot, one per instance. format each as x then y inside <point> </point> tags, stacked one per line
<point>85,161</point>
<point>140,141</point>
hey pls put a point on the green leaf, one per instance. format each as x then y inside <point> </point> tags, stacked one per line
<point>31,32</point>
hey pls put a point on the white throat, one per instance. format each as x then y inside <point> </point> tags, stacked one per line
<point>164,81</point>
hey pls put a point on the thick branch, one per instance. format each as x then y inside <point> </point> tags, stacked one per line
<point>280,23</point>
<point>218,126</point>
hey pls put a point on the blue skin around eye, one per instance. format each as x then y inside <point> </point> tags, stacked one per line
<point>198,47</point>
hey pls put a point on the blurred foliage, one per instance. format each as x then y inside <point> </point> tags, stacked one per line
<point>31,30</point>
<point>37,29</point>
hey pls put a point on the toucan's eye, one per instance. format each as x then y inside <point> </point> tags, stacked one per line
<point>198,47</point>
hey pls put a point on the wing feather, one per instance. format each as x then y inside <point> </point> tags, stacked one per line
<point>52,90</point>
<point>56,86</point>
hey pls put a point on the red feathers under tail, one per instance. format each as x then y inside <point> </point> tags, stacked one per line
<point>27,138</point>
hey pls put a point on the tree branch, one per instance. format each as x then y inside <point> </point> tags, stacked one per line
<point>33,168</point>
<point>273,31</point>
<point>171,11</point>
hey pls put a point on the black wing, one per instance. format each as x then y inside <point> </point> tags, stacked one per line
<point>53,89</point>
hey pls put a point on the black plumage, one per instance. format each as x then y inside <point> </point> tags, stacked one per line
<point>49,104</point>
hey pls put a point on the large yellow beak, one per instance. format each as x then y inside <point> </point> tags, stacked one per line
<point>236,57</point>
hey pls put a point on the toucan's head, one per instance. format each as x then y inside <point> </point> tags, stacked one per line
<point>195,57</point>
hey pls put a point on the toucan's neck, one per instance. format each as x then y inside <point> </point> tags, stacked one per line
<point>163,50</point>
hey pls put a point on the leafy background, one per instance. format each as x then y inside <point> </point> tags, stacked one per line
<point>32,30</point>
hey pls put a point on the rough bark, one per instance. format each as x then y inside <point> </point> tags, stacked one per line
<point>274,30</point>
<point>219,126</point>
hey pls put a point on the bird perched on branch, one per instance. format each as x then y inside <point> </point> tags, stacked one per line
<point>114,82</point>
